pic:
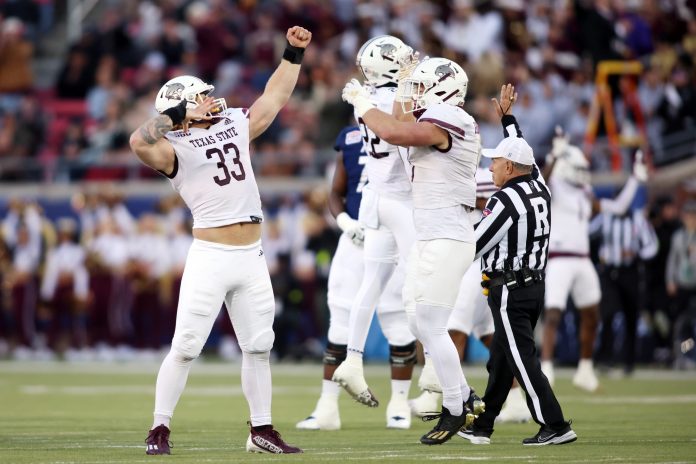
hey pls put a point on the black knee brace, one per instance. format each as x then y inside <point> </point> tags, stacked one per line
<point>334,354</point>
<point>402,356</point>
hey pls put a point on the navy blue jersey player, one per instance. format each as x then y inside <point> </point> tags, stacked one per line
<point>350,176</point>
<point>345,275</point>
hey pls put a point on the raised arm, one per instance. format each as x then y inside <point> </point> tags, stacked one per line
<point>148,141</point>
<point>622,202</point>
<point>281,84</point>
<point>389,128</point>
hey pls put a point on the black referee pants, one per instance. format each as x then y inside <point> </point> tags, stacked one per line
<point>621,291</point>
<point>513,353</point>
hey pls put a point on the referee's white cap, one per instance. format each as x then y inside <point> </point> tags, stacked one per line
<point>512,148</point>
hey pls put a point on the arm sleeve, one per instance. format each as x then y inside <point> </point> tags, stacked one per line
<point>621,203</point>
<point>494,225</point>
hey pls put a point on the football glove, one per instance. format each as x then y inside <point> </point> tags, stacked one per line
<point>358,96</point>
<point>559,144</point>
<point>351,228</point>
<point>406,66</point>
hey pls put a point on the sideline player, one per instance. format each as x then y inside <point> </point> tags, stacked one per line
<point>570,270</point>
<point>344,279</point>
<point>385,213</point>
<point>203,148</point>
<point>444,147</point>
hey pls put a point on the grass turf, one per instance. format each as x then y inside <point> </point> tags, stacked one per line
<point>90,413</point>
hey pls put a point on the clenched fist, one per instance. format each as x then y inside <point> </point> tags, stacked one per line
<point>298,36</point>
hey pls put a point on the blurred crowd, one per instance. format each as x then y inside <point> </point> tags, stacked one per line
<point>101,279</point>
<point>78,128</point>
<point>101,283</point>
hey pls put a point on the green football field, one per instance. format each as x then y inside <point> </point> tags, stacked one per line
<point>90,413</point>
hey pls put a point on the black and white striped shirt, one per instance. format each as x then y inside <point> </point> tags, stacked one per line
<point>624,238</point>
<point>515,229</point>
<point>514,232</point>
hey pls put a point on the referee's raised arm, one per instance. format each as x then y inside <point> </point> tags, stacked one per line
<point>512,241</point>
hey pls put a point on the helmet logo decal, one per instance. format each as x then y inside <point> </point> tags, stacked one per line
<point>387,51</point>
<point>174,91</point>
<point>443,72</point>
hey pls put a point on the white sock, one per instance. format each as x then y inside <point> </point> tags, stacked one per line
<point>354,358</point>
<point>330,388</point>
<point>375,278</point>
<point>256,385</point>
<point>585,364</point>
<point>517,395</point>
<point>400,388</point>
<point>432,323</point>
<point>171,381</point>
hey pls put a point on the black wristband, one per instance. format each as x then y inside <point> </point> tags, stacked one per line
<point>293,54</point>
<point>176,113</point>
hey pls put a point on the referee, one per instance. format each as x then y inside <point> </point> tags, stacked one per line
<point>512,241</point>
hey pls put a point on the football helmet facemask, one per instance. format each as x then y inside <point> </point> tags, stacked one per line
<point>186,88</point>
<point>435,80</point>
<point>377,59</point>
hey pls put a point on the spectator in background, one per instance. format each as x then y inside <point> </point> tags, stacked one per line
<point>16,53</point>
<point>106,261</point>
<point>681,272</point>
<point>148,267</point>
<point>76,77</point>
<point>64,292</point>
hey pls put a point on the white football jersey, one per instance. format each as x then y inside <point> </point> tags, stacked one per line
<point>571,210</point>
<point>213,174</point>
<point>385,166</point>
<point>484,189</point>
<point>447,177</point>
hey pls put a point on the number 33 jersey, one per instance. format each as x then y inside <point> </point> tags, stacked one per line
<point>386,168</point>
<point>212,171</point>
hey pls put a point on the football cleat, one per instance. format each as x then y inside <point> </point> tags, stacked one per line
<point>515,410</point>
<point>447,426</point>
<point>475,404</point>
<point>426,403</point>
<point>428,380</point>
<point>398,413</point>
<point>265,439</point>
<point>547,436</point>
<point>350,376</point>
<point>476,437</point>
<point>157,441</point>
<point>324,417</point>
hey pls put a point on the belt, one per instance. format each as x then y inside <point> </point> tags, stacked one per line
<point>513,279</point>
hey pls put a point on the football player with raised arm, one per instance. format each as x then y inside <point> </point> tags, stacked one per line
<point>203,148</point>
<point>345,277</point>
<point>444,149</point>
<point>570,270</point>
<point>386,215</point>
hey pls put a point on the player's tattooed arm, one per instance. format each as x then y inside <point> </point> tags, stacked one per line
<point>148,142</point>
<point>155,129</point>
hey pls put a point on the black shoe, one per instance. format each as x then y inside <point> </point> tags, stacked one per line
<point>157,441</point>
<point>476,437</point>
<point>475,404</point>
<point>446,427</point>
<point>547,436</point>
